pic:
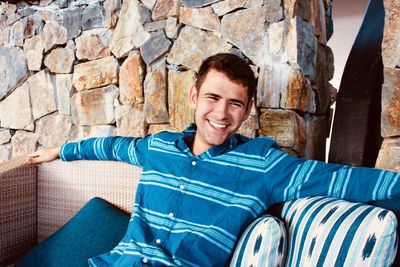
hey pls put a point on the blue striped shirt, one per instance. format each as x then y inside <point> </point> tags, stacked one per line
<point>190,210</point>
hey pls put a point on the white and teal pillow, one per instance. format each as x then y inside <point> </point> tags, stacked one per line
<point>331,232</point>
<point>262,244</point>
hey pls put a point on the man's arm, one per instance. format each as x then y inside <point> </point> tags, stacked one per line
<point>293,178</point>
<point>127,149</point>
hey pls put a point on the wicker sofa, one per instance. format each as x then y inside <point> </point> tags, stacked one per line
<point>35,201</point>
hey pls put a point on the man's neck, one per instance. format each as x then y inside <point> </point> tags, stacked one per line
<point>196,148</point>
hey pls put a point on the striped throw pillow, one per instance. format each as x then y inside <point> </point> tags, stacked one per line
<point>262,244</point>
<point>332,232</point>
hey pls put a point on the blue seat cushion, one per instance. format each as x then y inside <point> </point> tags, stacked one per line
<point>95,229</point>
<point>263,243</point>
<point>333,232</point>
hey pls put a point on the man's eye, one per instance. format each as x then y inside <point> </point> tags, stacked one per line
<point>212,98</point>
<point>236,105</point>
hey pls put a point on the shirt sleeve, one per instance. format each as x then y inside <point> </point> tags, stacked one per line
<point>292,177</point>
<point>126,149</point>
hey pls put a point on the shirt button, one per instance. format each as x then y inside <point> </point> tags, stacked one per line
<point>171,215</point>
<point>158,241</point>
<point>194,163</point>
<point>145,260</point>
<point>181,187</point>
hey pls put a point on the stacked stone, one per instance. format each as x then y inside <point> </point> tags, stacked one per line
<point>75,69</point>
<point>389,154</point>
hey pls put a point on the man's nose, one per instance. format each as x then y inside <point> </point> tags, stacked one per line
<point>222,109</point>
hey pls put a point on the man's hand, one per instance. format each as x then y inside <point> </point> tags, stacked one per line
<point>44,155</point>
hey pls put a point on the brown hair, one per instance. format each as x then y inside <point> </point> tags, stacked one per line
<point>235,68</point>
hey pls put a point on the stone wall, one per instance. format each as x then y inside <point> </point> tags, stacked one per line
<point>75,69</point>
<point>389,154</point>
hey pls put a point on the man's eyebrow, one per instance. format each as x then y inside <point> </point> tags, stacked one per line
<point>237,101</point>
<point>212,94</point>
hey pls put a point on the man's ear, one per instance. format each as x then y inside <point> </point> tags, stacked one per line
<point>193,95</point>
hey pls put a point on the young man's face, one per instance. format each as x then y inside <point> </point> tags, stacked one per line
<point>221,106</point>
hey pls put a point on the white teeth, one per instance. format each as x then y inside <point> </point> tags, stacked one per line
<point>216,125</point>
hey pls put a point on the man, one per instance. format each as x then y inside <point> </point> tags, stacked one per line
<point>200,188</point>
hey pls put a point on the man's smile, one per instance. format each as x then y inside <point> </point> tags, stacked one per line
<point>217,125</point>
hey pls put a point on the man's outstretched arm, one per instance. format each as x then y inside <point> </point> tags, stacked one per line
<point>293,178</point>
<point>126,149</point>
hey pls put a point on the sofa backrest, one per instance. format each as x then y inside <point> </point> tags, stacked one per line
<point>64,187</point>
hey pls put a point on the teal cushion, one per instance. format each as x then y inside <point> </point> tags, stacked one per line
<point>95,229</point>
<point>263,243</point>
<point>332,232</point>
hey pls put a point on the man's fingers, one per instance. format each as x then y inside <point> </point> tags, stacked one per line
<point>32,158</point>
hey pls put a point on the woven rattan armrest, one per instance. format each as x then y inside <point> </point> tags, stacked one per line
<point>35,201</point>
<point>18,209</point>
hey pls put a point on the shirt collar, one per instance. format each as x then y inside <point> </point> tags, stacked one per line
<point>188,135</point>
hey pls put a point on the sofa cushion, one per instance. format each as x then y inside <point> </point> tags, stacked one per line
<point>331,232</point>
<point>95,229</point>
<point>262,244</point>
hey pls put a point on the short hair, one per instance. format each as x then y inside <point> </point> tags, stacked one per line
<point>235,68</point>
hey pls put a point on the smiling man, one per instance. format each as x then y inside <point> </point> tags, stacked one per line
<point>222,101</point>
<point>192,212</point>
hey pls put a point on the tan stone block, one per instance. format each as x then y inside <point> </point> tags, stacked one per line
<point>282,86</point>
<point>390,116</point>
<point>391,35</point>
<point>166,8</point>
<point>131,120</point>
<point>285,127</point>
<point>389,155</point>
<point>53,130</point>
<point>155,91</point>
<point>60,60</point>
<point>54,34</point>
<point>298,94</point>
<point>18,100</point>
<point>131,78</point>
<point>34,48</point>
<point>96,73</point>
<point>94,107</point>
<point>249,35</point>
<point>124,38</point>
<point>179,84</point>
<point>42,94</point>
<point>202,18</point>
<point>23,143</point>
<point>193,46</point>
<point>93,44</point>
